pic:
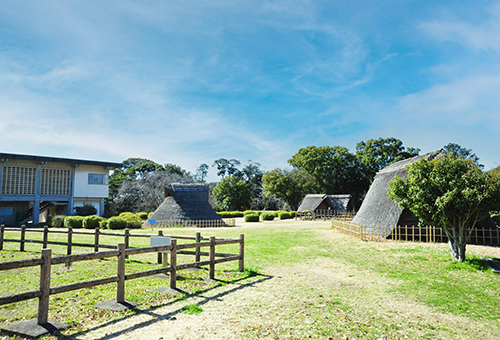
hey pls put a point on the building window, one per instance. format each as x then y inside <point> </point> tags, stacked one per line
<point>98,179</point>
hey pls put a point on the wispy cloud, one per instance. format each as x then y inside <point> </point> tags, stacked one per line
<point>480,36</point>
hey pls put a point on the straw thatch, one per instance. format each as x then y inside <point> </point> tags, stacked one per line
<point>342,202</point>
<point>314,202</point>
<point>185,202</point>
<point>377,209</point>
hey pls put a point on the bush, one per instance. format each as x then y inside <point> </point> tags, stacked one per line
<point>74,222</point>
<point>284,215</point>
<point>293,213</point>
<point>133,221</point>
<point>91,222</point>
<point>252,218</point>
<point>116,222</point>
<point>249,212</point>
<point>86,210</point>
<point>231,214</point>
<point>103,224</point>
<point>57,221</point>
<point>142,215</point>
<point>267,216</point>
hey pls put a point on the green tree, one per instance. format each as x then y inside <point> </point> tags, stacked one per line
<point>231,194</point>
<point>335,169</point>
<point>292,186</point>
<point>376,154</point>
<point>201,173</point>
<point>228,167</point>
<point>450,192</point>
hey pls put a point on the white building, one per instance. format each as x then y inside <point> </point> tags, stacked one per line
<point>34,187</point>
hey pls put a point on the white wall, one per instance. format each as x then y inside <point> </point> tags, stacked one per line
<point>85,190</point>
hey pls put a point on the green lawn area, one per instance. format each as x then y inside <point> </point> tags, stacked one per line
<point>302,280</point>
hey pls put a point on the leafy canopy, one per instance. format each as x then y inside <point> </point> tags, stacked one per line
<point>450,192</point>
<point>232,194</point>
<point>292,186</point>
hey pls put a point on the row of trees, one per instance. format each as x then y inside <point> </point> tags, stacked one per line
<point>138,185</point>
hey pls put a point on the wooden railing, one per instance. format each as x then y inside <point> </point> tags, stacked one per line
<point>325,214</point>
<point>197,223</point>
<point>412,233</point>
<point>121,252</point>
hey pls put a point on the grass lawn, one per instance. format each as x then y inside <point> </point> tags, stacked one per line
<point>303,280</point>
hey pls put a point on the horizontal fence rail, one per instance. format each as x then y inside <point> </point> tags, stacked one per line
<point>417,233</point>
<point>196,223</point>
<point>325,214</point>
<point>121,252</point>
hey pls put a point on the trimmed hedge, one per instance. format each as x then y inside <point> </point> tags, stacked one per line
<point>133,221</point>
<point>116,222</point>
<point>249,212</point>
<point>57,221</point>
<point>74,222</point>
<point>284,215</point>
<point>230,214</point>
<point>142,215</point>
<point>267,216</point>
<point>252,218</point>
<point>91,222</point>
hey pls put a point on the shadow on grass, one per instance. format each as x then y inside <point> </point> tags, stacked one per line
<point>151,311</point>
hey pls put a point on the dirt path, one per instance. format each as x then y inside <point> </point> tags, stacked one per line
<point>290,302</point>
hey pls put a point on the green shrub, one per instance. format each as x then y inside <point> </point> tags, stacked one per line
<point>133,221</point>
<point>237,214</point>
<point>142,215</point>
<point>116,222</point>
<point>278,212</point>
<point>293,213</point>
<point>252,218</point>
<point>103,224</point>
<point>249,212</point>
<point>267,216</point>
<point>86,210</point>
<point>57,221</point>
<point>284,215</point>
<point>224,214</point>
<point>151,213</point>
<point>91,222</point>
<point>73,222</point>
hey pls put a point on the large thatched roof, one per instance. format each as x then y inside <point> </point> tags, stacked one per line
<point>341,202</point>
<point>315,201</point>
<point>377,208</point>
<point>185,202</point>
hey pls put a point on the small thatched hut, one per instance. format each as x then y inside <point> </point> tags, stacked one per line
<point>342,202</point>
<point>185,202</point>
<point>316,202</point>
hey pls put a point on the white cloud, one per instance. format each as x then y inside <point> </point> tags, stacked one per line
<point>483,36</point>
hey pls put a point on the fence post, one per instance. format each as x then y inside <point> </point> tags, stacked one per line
<point>2,231</point>
<point>23,236</point>
<point>242,253</point>
<point>126,239</point>
<point>211,272</point>
<point>96,241</point>
<point>45,236</point>
<point>173,264</point>
<point>160,233</point>
<point>120,286</point>
<point>198,240</point>
<point>43,301</point>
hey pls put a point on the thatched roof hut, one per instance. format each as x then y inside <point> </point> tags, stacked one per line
<point>342,202</point>
<point>185,202</point>
<point>377,209</point>
<point>314,202</point>
<point>379,214</point>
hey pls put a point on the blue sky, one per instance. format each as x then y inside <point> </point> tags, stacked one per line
<point>188,82</point>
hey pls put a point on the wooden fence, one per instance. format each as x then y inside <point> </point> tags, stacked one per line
<point>93,234</point>
<point>121,252</point>
<point>325,214</point>
<point>412,233</point>
<point>197,224</point>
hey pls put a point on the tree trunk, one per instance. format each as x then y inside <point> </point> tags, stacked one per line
<point>457,240</point>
